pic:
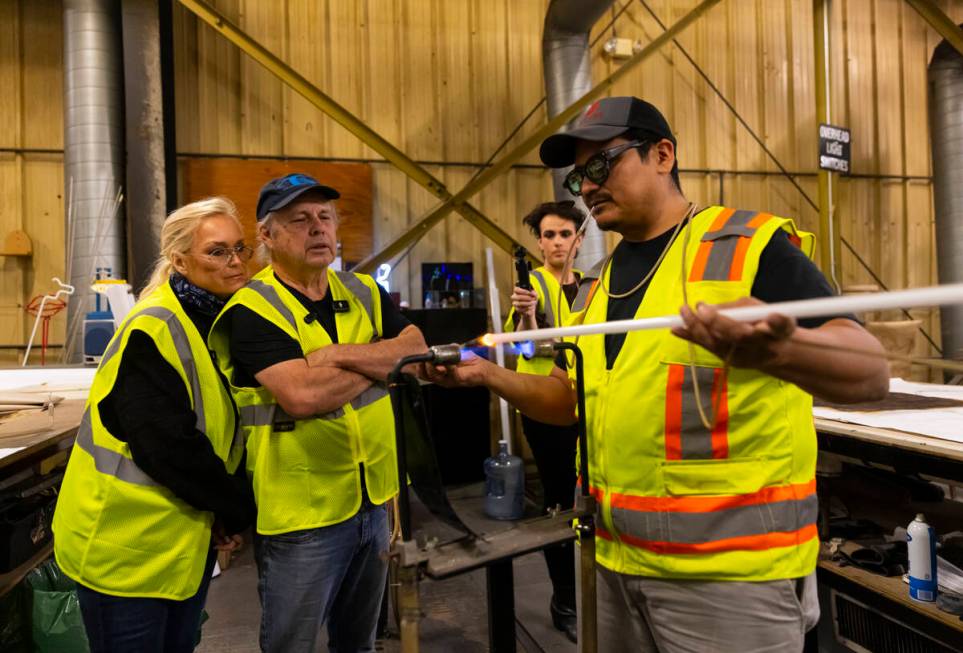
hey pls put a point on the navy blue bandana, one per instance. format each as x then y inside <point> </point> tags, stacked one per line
<point>196,297</point>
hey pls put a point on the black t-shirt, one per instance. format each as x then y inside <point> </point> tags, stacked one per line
<point>149,409</point>
<point>257,344</point>
<point>785,274</point>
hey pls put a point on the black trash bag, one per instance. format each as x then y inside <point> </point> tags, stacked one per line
<point>56,622</point>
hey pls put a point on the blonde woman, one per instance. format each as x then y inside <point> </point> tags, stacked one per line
<point>155,480</point>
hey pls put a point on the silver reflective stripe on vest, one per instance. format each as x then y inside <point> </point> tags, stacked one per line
<point>112,463</point>
<point>184,353</point>
<point>108,461</point>
<point>695,438</point>
<point>369,396</point>
<point>585,285</point>
<point>359,289</point>
<point>549,309</point>
<point>256,415</point>
<point>702,527</point>
<point>725,241</point>
<point>270,295</point>
<point>272,414</point>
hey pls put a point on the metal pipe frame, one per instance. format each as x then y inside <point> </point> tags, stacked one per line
<point>939,21</point>
<point>353,124</point>
<point>416,231</point>
<point>828,231</point>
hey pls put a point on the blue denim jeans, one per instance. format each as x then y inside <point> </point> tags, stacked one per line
<point>120,624</point>
<point>333,575</point>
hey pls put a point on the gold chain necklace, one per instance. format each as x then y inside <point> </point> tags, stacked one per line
<point>689,214</point>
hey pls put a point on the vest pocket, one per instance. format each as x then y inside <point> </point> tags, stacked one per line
<point>723,477</point>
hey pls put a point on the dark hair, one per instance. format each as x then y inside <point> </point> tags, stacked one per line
<point>565,210</point>
<point>642,135</point>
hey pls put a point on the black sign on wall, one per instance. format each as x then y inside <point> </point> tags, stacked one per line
<point>834,148</point>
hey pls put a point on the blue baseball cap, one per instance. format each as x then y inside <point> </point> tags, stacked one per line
<point>278,193</point>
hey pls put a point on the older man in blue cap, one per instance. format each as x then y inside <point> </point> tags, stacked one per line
<point>307,351</point>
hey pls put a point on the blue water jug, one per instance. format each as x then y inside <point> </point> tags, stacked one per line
<point>504,484</point>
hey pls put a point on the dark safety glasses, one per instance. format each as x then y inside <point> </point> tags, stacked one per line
<point>597,168</point>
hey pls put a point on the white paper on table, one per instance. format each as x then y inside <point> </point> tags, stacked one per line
<point>10,451</point>
<point>942,423</point>
<point>66,382</point>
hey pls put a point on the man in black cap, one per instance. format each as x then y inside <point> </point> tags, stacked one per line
<point>701,449</point>
<point>307,351</point>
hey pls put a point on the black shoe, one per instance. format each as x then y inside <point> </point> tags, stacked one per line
<point>564,619</point>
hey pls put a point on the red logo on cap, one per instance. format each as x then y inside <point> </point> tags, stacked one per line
<point>593,111</point>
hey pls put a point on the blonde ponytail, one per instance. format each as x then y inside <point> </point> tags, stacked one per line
<point>177,235</point>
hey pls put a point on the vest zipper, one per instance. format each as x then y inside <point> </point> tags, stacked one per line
<point>601,452</point>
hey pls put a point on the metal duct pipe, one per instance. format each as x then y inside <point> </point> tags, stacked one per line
<point>146,135</point>
<point>93,152</point>
<point>567,64</point>
<point>945,77</point>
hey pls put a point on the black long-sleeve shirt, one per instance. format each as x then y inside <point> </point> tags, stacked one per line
<point>149,409</point>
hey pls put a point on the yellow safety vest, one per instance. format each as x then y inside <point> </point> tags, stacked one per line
<point>116,529</point>
<point>677,500</point>
<point>548,290</point>
<point>306,472</point>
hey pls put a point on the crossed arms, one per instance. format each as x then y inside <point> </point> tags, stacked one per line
<point>332,376</point>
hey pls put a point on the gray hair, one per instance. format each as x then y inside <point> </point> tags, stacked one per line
<point>262,251</point>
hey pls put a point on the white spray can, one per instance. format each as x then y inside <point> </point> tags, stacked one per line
<point>921,544</point>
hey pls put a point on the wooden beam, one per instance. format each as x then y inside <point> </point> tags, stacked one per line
<point>939,21</point>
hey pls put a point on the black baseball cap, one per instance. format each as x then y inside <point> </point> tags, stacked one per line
<point>278,193</point>
<point>605,119</point>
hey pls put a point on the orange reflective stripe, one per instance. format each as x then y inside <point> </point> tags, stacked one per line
<point>604,534</point>
<point>584,297</point>
<point>597,492</point>
<point>721,219</point>
<point>591,293</point>
<point>722,251</point>
<point>673,413</point>
<point>770,494</point>
<point>720,403</point>
<point>759,220</point>
<point>705,248</point>
<point>730,526</point>
<point>686,436</point>
<point>699,265</point>
<point>739,258</point>
<point>748,543</point>
<point>702,254</point>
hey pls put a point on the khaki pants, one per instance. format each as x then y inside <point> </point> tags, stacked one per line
<point>636,613</point>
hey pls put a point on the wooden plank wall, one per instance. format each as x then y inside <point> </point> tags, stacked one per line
<point>447,80</point>
<point>31,183</point>
<point>760,56</point>
<point>234,178</point>
<point>444,80</point>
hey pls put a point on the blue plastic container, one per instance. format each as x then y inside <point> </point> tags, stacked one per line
<point>504,484</point>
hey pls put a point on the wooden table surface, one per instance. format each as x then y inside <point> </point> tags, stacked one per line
<point>36,430</point>
<point>900,439</point>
